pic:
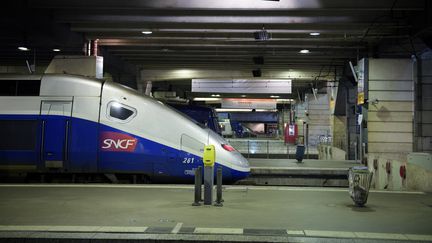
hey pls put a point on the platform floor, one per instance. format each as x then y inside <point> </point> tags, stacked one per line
<point>288,172</point>
<point>255,211</point>
<point>306,163</point>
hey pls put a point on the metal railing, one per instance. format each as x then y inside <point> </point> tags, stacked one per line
<point>268,148</point>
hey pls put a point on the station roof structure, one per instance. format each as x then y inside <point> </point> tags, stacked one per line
<point>312,40</point>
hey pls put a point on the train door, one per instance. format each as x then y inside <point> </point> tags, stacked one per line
<point>166,164</point>
<point>55,119</point>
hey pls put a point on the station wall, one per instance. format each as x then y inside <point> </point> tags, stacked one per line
<point>423,136</point>
<point>316,113</point>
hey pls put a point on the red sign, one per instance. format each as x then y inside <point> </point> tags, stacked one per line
<point>117,142</point>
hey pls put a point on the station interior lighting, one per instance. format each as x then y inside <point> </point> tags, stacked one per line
<point>314,33</point>
<point>23,48</point>
<point>56,50</point>
<point>243,96</point>
<point>284,100</point>
<point>146,32</point>
<point>215,95</point>
<point>274,96</point>
<point>304,51</point>
<point>206,99</point>
<point>243,110</point>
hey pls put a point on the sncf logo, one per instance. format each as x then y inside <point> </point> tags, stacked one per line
<point>117,142</point>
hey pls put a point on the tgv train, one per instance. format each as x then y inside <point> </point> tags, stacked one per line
<point>73,124</point>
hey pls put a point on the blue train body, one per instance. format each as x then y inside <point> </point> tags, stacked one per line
<point>202,114</point>
<point>79,125</point>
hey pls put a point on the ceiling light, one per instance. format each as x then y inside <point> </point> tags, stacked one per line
<point>146,32</point>
<point>206,99</point>
<point>23,48</point>
<point>315,33</point>
<point>284,100</point>
<point>304,51</point>
<point>215,95</point>
<point>243,96</point>
<point>56,50</point>
<point>243,110</point>
<point>274,96</point>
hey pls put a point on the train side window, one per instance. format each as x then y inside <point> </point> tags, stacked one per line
<point>18,134</point>
<point>20,87</point>
<point>120,112</point>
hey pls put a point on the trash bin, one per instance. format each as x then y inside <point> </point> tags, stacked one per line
<point>300,150</point>
<point>359,178</point>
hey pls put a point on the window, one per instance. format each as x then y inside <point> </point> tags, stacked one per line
<point>120,112</point>
<point>20,87</point>
<point>18,134</point>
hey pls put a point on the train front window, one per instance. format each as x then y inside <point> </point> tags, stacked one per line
<point>120,112</point>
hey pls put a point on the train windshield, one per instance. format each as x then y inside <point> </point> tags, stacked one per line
<point>203,126</point>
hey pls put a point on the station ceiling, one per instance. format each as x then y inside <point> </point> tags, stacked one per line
<point>219,35</point>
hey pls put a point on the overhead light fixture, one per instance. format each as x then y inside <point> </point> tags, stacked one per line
<point>23,48</point>
<point>56,50</point>
<point>146,32</point>
<point>243,110</point>
<point>206,99</point>
<point>274,96</point>
<point>215,95</point>
<point>243,96</point>
<point>304,51</point>
<point>284,100</point>
<point>314,33</point>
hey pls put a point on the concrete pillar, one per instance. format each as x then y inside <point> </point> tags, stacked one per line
<point>391,101</point>
<point>389,119</point>
<point>148,89</point>
<point>423,107</point>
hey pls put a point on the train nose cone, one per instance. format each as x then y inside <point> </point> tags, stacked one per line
<point>244,168</point>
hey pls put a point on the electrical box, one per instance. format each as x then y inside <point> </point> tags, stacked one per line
<point>209,156</point>
<point>291,133</point>
<point>89,66</point>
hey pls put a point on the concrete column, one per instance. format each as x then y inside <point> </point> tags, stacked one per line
<point>423,126</point>
<point>140,87</point>
<point>148,89</point>
<point>390,114</point>
<point>389,119</point>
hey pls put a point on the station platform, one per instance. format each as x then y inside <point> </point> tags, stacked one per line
<point>288,172</point>
<point>163,213</point>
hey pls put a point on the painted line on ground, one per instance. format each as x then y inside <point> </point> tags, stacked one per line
<point>214,231</point>
<point>332,234</point>
<point>229,231</point>
<point>296,232</point>
<point>419,237</point>
<point>382,236</point>
<point>177,228</point>
<point>120,229</point>
<point>226,187</point>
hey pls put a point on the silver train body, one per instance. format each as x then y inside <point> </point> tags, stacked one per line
<point>73,124</point>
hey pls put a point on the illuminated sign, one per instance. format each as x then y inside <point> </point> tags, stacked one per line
<point>361,81</point>
<point>242,86</point>
<point>249,103</point>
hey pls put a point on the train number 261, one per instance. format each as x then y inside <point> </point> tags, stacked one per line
<point>188,160</point>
